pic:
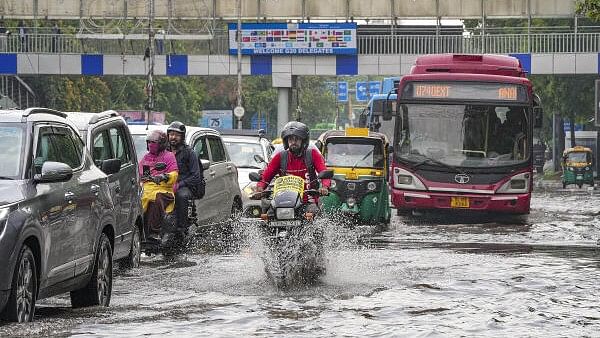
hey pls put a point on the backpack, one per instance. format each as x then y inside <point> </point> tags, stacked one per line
<point>308,162</point>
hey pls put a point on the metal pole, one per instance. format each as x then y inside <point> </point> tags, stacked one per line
<point>239,59</point>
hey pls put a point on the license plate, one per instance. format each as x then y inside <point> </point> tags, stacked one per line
<point>459,202</point>
<point>291,223</point>
<point>579,177</point>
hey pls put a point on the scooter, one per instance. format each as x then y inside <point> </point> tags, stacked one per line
<point>294,241</point>
<point>169,241</point>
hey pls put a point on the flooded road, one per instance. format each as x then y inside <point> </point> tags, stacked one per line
<point>426,275</point>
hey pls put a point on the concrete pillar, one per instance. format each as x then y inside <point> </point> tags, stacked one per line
<point>283,106</point>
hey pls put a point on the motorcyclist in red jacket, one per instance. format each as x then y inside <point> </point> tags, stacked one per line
<point>295,136</point>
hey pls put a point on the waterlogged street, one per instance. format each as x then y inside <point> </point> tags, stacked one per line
<point>426,275</point>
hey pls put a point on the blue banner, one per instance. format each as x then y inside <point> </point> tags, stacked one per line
<point>294,38</point>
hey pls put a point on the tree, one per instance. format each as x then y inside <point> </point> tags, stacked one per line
<point>589,8</point>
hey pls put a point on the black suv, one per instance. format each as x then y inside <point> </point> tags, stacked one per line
<point>57,218</point>
<point>108,140</point>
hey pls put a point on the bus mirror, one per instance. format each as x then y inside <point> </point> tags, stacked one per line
<point>538,117</point>
<point>389,110</point>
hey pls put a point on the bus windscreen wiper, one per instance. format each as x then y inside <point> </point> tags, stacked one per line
<point>430,160</point>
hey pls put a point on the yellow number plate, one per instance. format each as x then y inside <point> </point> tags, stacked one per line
<point>459,202</point>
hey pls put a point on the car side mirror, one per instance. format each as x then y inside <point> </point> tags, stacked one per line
<point>259,159</point>
<point>254,176</point>
<point>538,117</point>
<point>111,166</point>
<point>325,174</point>
<point>205,164</point>
<point>54,172</point>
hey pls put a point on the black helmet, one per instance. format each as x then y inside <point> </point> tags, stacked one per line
<point>295,128</point>
<point>159,137</point>
<point>178,127</point>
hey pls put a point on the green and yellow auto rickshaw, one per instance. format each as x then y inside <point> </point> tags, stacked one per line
<point>359,188</point>
<point>577,166</point>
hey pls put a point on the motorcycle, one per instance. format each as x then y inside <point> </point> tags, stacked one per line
<point>170,240</point>
<point>295,243</point>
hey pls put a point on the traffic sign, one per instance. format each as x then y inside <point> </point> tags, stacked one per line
<point>342,90</point>
<point>238,111</point>
<point>374,87</point>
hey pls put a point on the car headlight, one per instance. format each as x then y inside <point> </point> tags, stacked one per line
<point>404,179</point>
<point>371,186</point>
<point>517,184</point>
<point>285,213</point>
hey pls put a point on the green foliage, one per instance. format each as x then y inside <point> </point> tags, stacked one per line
<point>317,103</point>
<point>589,8</point>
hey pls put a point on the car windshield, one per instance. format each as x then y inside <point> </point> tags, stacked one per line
<point>579,157</point>
<point>242,154</point>
<point>463,135</point>
<point>139,142</point>
<point>357,152</point>
<point>12,148</point>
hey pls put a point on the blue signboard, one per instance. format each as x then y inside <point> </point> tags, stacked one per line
<point>341,90</point>
<point>294,38</point>
<point>256,123</point>
<point>567,126</point>
<point>217,119</point>
<point>374,87</point>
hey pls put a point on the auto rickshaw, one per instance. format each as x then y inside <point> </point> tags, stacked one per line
<point>359,188</point>
<point>577,166</point>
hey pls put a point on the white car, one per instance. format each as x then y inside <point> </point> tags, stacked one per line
<point>222,197</point>
<point>243,149</point>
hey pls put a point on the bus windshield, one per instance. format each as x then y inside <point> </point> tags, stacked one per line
<point>459,135</point>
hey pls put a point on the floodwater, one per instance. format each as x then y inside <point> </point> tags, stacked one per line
<point>427,275</point>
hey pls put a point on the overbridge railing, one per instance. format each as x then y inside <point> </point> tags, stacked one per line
<point>367,44</point>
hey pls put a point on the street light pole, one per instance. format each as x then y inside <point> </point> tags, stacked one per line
<point>239,60</point>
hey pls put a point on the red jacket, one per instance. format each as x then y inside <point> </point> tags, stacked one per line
<point>295,167</point>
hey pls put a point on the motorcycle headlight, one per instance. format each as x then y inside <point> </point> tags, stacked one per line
<point>285,213</point>
<point>371,186</point>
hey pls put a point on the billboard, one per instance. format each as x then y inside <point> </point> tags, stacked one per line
<point>139,117</point>
<point>217,119</point>
<point>294,38</point>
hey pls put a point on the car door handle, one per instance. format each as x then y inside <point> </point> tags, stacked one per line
<point>95,189</point>
<point>69,196</point>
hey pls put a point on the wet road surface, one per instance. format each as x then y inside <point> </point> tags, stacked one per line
<point>427,275</point>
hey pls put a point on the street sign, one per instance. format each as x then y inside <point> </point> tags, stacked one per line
<point>374,87</point>
<point>238,111</point>
<point>342,90</point>
<point>217,119</point>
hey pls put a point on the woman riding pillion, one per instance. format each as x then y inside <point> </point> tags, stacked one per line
<point>158,169</point>
<point>293,161</point>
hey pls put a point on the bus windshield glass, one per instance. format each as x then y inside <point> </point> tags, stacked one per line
<point>463,135</point>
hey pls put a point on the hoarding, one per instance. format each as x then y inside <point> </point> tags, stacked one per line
<point>294,38</point>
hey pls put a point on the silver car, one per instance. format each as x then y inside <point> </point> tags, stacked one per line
<point>243,150</point>
<point>222,198</point>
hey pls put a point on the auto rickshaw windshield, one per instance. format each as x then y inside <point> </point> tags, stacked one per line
<point>359,153</point>
<point>579,157</point>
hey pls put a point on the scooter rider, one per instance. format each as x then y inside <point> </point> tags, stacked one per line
<point>190,182</point>
<point>158,195</point>
<point>297,159</point>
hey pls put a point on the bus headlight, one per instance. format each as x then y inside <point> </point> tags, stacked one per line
<point>517,184</point>
<point>404,179</point>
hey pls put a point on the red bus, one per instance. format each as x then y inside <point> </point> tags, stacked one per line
<point>463,131</point>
